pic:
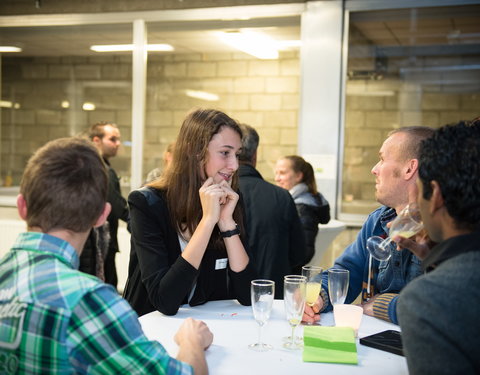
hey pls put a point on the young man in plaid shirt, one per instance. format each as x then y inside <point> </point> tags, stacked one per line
<point>55,319</point>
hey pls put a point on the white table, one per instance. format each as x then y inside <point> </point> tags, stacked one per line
<point>234,328</point>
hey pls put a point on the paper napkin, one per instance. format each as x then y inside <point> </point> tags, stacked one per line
<point>329,344</point>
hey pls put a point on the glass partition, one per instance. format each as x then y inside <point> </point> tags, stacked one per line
<point>206,70</point>
<point>417,66</point>
<point>56,86</point>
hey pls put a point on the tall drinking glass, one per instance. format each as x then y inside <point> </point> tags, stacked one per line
<point>294,299</point>
<point>338,280</point>
<point>262,292</point>
<point>314,283</point>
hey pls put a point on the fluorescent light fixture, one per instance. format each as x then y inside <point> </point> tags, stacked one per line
<point>358,91</point>
<point>65,104</point>
<point>9,104</point>
<point>129,47</point>
<point>87,106</point>
<point>286,44</point>
<point>202,95</point>
<point>253,43</point>
<point>10,49</point>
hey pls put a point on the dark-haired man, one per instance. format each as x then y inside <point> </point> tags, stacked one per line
<point>381,281</point>
<point>275,233</point>
<point>106,137</point>
<point>55,319</point>
<point>439,311</point>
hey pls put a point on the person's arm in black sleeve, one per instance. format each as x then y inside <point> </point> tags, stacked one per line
<point>118,203</point>
<point>309,218</point>
<point>298,248</point>
<point>324,210</point>
<point>167,285</point>
<point>241,281</point>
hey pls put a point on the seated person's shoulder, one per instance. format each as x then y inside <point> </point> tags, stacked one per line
<point>280,191</point>
<point>67,289</point>
<point>379,212</point>
<point>149,194</point>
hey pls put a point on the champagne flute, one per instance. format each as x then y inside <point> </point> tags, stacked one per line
<point>338,280</point>
<point>294,300</point>
<point>262,292</point>
<point>314,283</point>
<point>406,224</point>
<point>298,339</point>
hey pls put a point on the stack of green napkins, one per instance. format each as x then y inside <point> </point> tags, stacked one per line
<point>329,344</point>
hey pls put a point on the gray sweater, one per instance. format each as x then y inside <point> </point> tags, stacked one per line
<point>439,312</point>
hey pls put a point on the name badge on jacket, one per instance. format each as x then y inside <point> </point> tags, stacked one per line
<point>220,264</point>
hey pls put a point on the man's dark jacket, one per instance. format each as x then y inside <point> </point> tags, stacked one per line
<point>275,234</point>
<point>119,212</point>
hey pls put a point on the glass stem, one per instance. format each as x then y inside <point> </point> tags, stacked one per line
<point>292,341</point>
<point>386,243</point>
<point>260,334</point>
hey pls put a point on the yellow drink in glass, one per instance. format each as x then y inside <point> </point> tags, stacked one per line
<point>313,290</point>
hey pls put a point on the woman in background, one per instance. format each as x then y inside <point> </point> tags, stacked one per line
<point>167,159</point>
<point>296,175</point>
<point>186,245</point>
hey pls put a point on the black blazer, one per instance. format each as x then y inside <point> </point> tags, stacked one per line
<point>159,278</point>
<point>275,234</point>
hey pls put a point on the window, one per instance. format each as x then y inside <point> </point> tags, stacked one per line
<point>204,71</point>
<point>57,87</point>
<point>416,66</point>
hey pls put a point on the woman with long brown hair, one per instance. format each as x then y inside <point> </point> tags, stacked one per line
<point>186,226</point>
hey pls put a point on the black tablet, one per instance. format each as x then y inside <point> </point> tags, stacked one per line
<point>390,341</point>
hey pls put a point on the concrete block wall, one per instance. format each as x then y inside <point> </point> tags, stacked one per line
<point>40,86</point>
<point>401,95</point>
<point>262,93</point>
<point>374,108</point>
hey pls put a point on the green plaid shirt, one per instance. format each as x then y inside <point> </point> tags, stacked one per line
<point>57,320</point>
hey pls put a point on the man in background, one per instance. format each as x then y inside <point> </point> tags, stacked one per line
<point>55,319</point>
<point>106,137</point>
<point>379,282</point>
<point>275,234</point>
<point>438,312</point>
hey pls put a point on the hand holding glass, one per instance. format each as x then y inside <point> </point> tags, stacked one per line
<point>338,280</point>
<point>294,299</point>
<point>262,292</point>
<point>406,224</point>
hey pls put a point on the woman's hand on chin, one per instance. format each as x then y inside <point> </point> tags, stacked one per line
<point>211,196</point>
<point>231,199</point>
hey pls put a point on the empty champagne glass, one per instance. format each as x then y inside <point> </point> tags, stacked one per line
<point>262,292</point>
<point>294,300</point>
<point>338,280</point>
<point>314,283</point>
<point>406,224</point>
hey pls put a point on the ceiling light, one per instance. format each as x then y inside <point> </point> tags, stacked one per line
<point>163,47</point>
<point>65,104</point>
<point>253,43</point>
<point>9,104</point>
<point>10,49</point>
<point>202,95</point>
<point>87,106</point>
<point>129,47</point>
